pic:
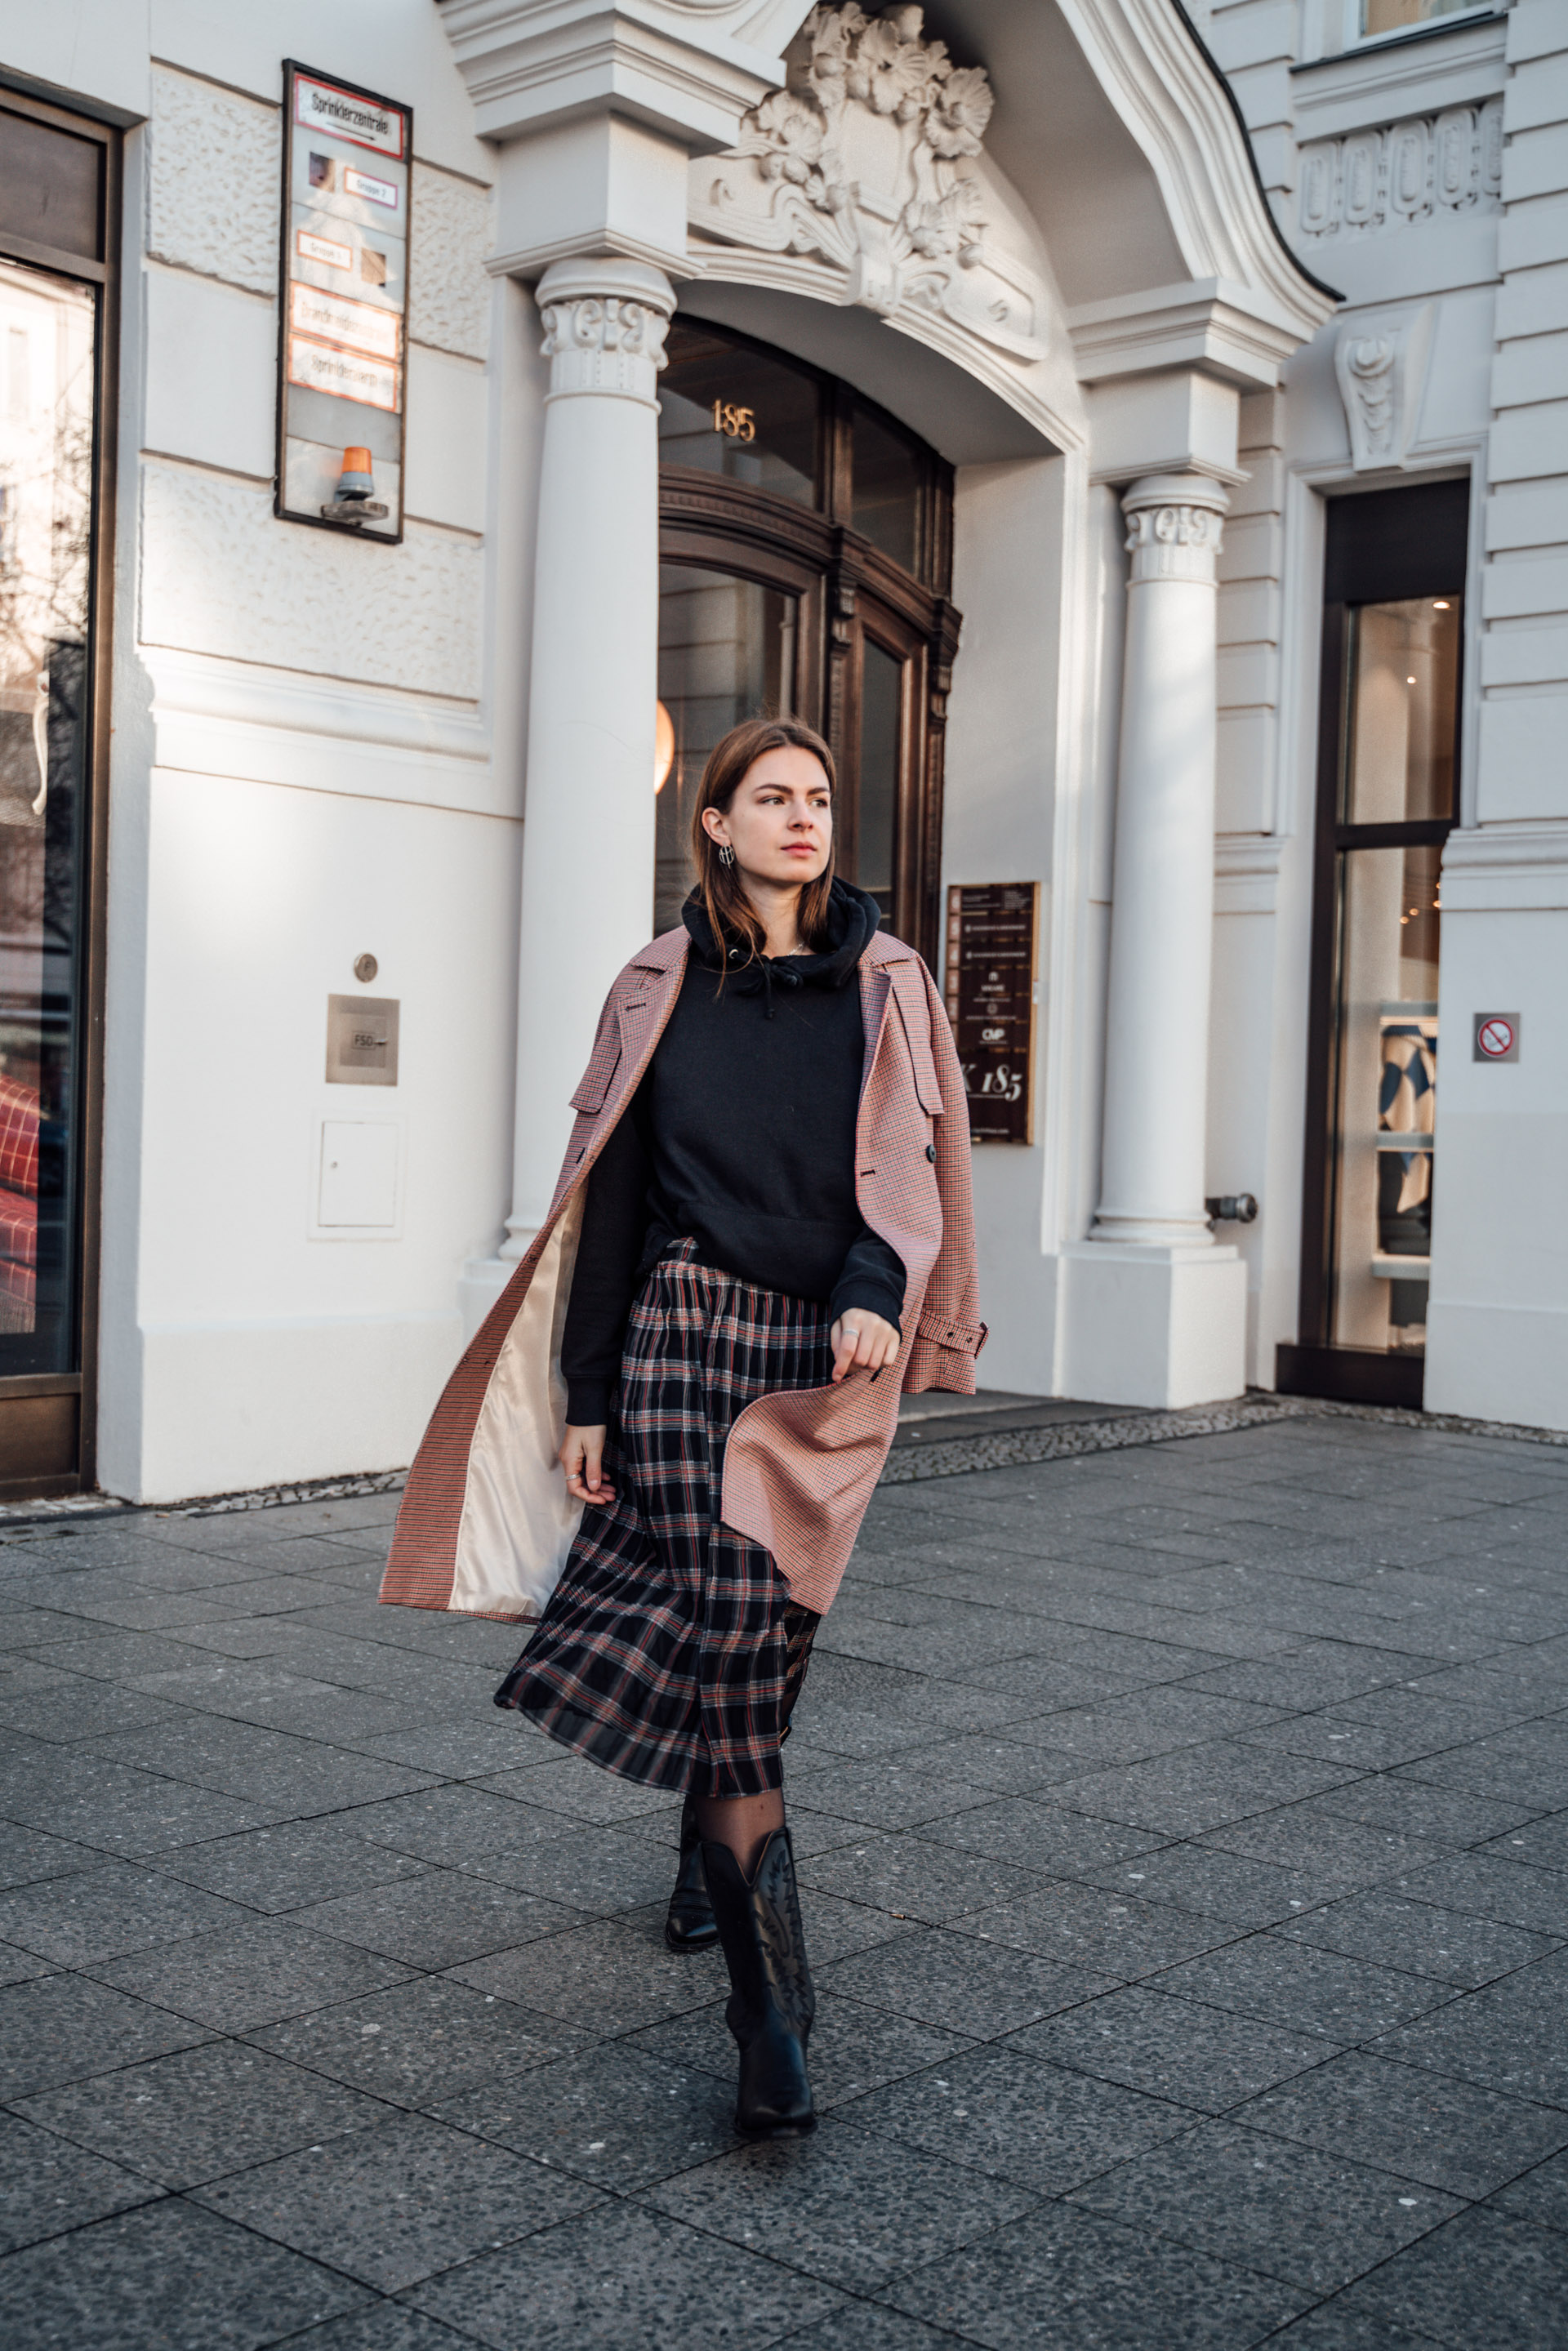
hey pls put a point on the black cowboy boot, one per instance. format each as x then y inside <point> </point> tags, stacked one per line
<point>690,1925</point>
<point>771,2003</point>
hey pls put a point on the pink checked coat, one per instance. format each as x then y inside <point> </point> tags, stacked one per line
<point>487,1522</point>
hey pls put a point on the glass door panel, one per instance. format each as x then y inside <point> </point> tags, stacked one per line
<point>881,768</point>
<point>1385,1096</point>
<point>47,444</point>
<point>728,650</point>
<point>1404,689</point>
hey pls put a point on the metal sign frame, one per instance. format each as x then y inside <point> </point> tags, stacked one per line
<point>990,982</point>
<point>347,206</point>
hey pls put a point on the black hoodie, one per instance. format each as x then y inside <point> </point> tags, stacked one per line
<point>741,1135</point>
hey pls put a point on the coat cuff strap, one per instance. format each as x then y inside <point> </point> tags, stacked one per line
<point>968,1338</point>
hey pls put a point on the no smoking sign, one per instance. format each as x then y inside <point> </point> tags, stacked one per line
<point>1496,1037</point>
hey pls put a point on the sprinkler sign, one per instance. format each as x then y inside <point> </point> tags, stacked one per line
<point>1496,1037</point>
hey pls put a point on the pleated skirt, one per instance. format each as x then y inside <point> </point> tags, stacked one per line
<point>670,1651</point>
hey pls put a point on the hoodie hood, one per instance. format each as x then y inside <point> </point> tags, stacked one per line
<point>853,916</point>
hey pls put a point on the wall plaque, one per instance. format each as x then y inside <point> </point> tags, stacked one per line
<point>991,932</point>
<point>342,338</point>
<point>362,1040</point>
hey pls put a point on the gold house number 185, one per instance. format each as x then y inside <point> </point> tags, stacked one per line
<point>735,423</point>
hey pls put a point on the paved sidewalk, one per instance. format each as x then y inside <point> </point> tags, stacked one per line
<point>1184,1833</point>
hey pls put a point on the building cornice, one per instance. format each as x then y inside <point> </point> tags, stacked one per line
<point>1219,327</point>
<point>674,69</point>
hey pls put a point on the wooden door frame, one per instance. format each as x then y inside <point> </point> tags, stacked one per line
<point>710,521</point>
<point>46,1398</point>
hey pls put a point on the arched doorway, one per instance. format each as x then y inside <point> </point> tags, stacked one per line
<point>805,560</point>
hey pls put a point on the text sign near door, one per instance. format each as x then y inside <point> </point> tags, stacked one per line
<point>342,342</point>
<point>991,932</point>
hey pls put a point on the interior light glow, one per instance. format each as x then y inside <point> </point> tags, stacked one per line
<point>1409,681</point>
<point>664,746</point>
<point>1441,604</point>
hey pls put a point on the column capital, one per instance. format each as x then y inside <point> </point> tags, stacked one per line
<point>1174,522</point>
<point>605,321</point>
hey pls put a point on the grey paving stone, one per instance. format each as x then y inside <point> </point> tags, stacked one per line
<point>61,2028</point>
<point>1443,1816</point>
<point>121,1810</point>
<point>912,1878</point>
<point>1088,1926</point>
<point>898,1793</point>
<point>456,1750</point>
<point>615,2115</point>
<point>1043,1836</point>
<point>1511,1892</point>
<point>386,2326</point>
<point>864,2326</point>
<point>48,2185</point>
<point>1200,1788</point>
<point>390,2206</point>
<point>578,1790</point>
<point>1542,1843</point>
<point>289,1866</point>
<point>201,2113</point>
<point>621,2275</point>
<point>1314,2220</point>
<point>1219,1884</point>
<point>250,1975</point>
<point>1457,1947</point>
<point>421,2042</point>
<point>76,1709</point>
<point>1540,2195</point>
<point>1016,2118</point>
<point>840,2204</point>
<point>1341,1855</point>
<point>1172,2048</point>
<point>1507,2036</point>
<point>607,1977</point>
<point>1066,2279</point>
<point>17,1966</point>
<point>435,1920</point>
<point>1338,2324</point>
<point>960,1984</point>
<point>1451,2135</point>
<point>1287,1983</point>
<point>167,2275</point>
<point>1485,2278</point>
<point>100,1912</point>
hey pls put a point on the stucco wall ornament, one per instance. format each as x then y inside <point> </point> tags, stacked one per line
<point>860,159</point>
<point>1381,365</point>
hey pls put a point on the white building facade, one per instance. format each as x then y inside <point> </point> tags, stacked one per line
<point>1141,446</point>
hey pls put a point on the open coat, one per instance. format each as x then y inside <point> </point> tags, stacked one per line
<point>487,1522</point>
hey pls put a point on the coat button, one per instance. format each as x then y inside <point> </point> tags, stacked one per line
<point>931,1150</point>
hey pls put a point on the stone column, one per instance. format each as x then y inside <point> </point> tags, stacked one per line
<point>589,811</point>
<point>1162,912</point>
<point>1159,1311</point>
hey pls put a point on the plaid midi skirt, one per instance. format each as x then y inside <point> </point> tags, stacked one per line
<point>670,1651</point>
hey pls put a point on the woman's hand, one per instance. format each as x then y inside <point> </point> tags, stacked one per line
<point>582,1456</point>
<point>863,1339</point>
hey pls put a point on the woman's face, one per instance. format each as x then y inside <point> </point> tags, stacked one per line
<point>780,821</point>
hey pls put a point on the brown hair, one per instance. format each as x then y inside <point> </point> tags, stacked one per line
<point>728,909</point>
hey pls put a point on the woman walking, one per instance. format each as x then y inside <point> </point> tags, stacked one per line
<point>764,1207</point>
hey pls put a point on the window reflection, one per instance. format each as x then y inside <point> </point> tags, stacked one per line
<point>1404,668</point>
<point>727,650</point>
<point>47,352</point>
<point>877,806</point>
<point>887,478</point>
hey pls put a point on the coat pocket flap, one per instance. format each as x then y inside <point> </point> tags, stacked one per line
<point>918,1036</point>
<point>600,1074</point>
<point>969,1337</point>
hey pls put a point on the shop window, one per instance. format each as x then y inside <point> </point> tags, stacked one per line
<point>1388,786</point>
<point>806,539</point>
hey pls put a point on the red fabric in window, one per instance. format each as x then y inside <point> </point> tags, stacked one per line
<point>19,1137</point>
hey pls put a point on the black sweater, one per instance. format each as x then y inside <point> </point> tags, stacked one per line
<point>742,1136</point>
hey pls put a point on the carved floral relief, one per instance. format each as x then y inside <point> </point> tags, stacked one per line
<point>861,161</point>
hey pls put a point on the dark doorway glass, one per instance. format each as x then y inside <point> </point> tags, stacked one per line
<point>727,650</point>
<point>887,482</point>
<point>876,814</point>
<point>727,408</point>
<point>47,362</point>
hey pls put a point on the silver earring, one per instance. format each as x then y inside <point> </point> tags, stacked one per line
<point>725,853</point>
